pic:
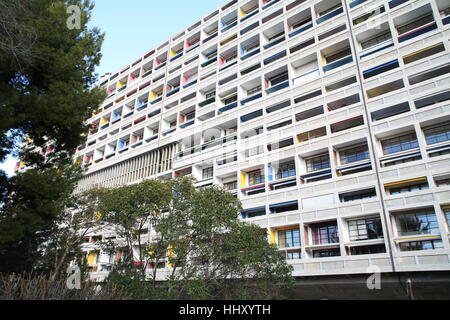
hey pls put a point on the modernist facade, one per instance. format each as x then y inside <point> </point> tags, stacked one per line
<point>328,119</point>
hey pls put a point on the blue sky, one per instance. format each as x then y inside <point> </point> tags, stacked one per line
<point>134,27</point>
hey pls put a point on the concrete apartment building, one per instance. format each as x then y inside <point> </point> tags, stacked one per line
<point>329,120</point>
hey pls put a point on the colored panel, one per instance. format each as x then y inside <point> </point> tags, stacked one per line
<point>91,258</point>
<point>243,180</point>
<point>272,236</point>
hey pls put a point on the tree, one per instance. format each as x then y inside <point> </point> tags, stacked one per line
<point>46,77</point>
<point>211,253</point>
<point>46,94</point>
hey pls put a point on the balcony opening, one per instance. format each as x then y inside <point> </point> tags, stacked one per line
<point>444,11</point>
<point>279,124</point>
<point>347,124</point>
<point>151,132</point>
<point>302,45</point>
<point>424,53</point>
<point>308,114</point>
<point>337,55</point>
<point>282,174</point>
<point>280,144</point>
<point>228,100</point>
<point>299,23</point>
<point>156,94</point>
<point>311,135</point>
<point>385,88</point>
<point>160,61</point>
<point>208,95</point>
<point>142,102</point>
<point>368,15</point>
<point>328,9</point>
<point>352,159</point>
<point>289,237</point>
<point>310,95</point>
<point>249,28</point>
<point>429,74</point>
<point>415,23</point>
<point>248,10</point>
<point>390,111</point>
<point>176,51</point>
<point>317,168</point>
<point>192,42</point>
<point>340,84</point>
<point>211,31</point>
<point>385,67</point>
<point>411,185</point>
<point>250,69</point>
<point>283,207</point>
<point>358,195</point>
<point>253,212</point>
<point>228,58</point>
<point>189,78</point>
<point>187,117</point>
<point>123,144</point>
<point>251,90</point>
<point>276,80</point>
<point>416,222</point>
<point>432,99</point>
<point>250,47</point>
<point>305,70</point>
<point>137,138</point>
<point>209,56</point>
<point>253,181</point>
<point>343,102</point>
<point>252,133</point>
<point>273,36</point>
<point>400,149</point>
<point>229,21</point>
<point>272,16</point>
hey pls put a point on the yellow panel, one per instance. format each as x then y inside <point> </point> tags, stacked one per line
<point>288,227</point>
<point>272,236</point>
<point>172,54</point>
<point>241,13</point>
<point>152,95</point>
<point>103,121</point>
<point>243,180</point>
<point>91,258</point>
<point>119,85</point>
<point>405,181</point>
<point>424,49</point>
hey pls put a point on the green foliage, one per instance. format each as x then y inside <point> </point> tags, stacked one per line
<point>46,88</point>
<point>212,254</point>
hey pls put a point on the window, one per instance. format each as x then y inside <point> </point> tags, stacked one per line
<point>326,253</point>
<point>291,255</point>
<point>230,186</point>
<point>409,188</point>
<point>326,233</point>
<point>355,154</point>
<point>417,222</point>
<point>375,40</point>
<point>190,116</point>
<point>207,173</point>
<point>415,24</point>
<point>255,178</point>
<point>358,195</point>
<point>313,134</point>
<point>276,36</point>
<point>365,229</point>
<point>230,100</point>
<point>437,134</point>
<point>279,78</point>
<point>442,182</point>
<point>173,124</point>
<point>286,170</point>
<point>421,245</point>
<point>254,90</point>
<point>318,163</point>
<point>339,55</point>
<point>289,238</point>
<point>210,94</point>
<point>401,143</point>
<point>379,248</point>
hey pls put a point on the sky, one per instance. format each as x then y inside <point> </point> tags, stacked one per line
<point>134,27</point>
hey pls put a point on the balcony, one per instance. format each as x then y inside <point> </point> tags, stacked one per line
<point>395,3</point>
<point>229,26</point>
<point>208,62</point>
<point>377,47</point>
<point>251,98</point>
<point>330,15</point>
<point>206,146</point>
<point>300,30</point>
<point>175,57</point>
<point>187,124</point>
<point>356,3</point>
<point>249,15</point>
<point>274,42</point>
<point>228,107</point>
<point>269,4</point>
<point>155,101</point>
<point>305,77</point>
<point>172,92</point>
<point>250,54</point>
<point>339,63</point>
<point>275,57</point>
<point>417,32</point>
<point>168,131</point>
<point>207,102</point>
<point>278,87</point>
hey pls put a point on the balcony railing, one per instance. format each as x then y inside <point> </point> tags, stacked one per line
<point>210,37</point>
<point>338,63</point>
<point>275,57</point>
<point>169,131</point>
<point>207,102</point>
<point>417,32</point>
<point>395,3</point>
<point>274,42</point>
<point>278,87</point>
<point>187,124</point>
<point>251,98</point>
<point>356,2</point>
<point>250,54</point>
<point>306,76</point>
<point>228,107</point>
<point>208,62</point>
<point>330,15</point>
<point>376,48</point>
<point>156,100</point>
<point>176,56</point>
<point>228,27</point>
<point>172,92</point>
<point>300,30</point>
<point>205,146</point>
<point>249,15</point>
<point>269,4</point>
<point>187,85</point>
<point>151,138</point>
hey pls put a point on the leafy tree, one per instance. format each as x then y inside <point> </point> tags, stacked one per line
<point>211,253</point>
<point>46,93</point>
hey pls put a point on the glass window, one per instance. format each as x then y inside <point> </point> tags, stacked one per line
<point>355,154</point>
<point>291,255</point>
<point>286,170</point>
<point>417,222</point>
<point>410,188</point>
<point>279,78</point>
<point>254,90</point>
<point>380,248</point>
<point>437,134</point>
<point>210,94</point>
<point>323,234</point>
<point>318,163</point>
<point>401,143</point>
<point>365,229</point>
<point>289,238</point>
<point>255,178</point>
<point>447,215</point>
<point>421,245</point>
<point>326,253</point>
<point>207,173</point>
<point>230,186</point>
